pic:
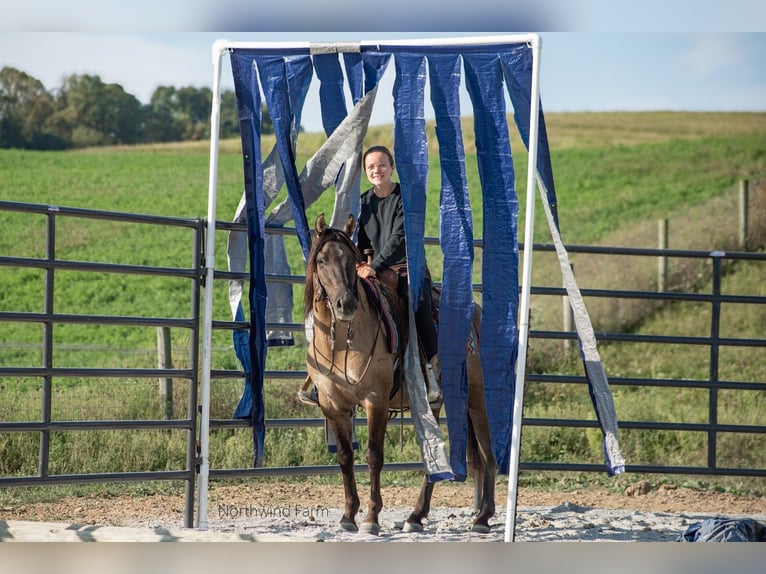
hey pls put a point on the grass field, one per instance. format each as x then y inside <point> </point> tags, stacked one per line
<point>616,175</point>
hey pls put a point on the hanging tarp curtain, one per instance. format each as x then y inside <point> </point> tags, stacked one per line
<point>486,72</point>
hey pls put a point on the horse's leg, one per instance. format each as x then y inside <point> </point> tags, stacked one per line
<point>414,522</point>
<point>485,467</point>
<point>377,419</point>
<point>340,424</point>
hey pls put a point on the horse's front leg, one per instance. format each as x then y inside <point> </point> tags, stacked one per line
<point>377,419</point>
<point>340,424</point>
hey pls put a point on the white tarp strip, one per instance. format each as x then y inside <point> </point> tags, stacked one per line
<point>602,396</point>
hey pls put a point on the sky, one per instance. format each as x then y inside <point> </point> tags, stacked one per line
<point>580,71</point>
<point>597,55</point>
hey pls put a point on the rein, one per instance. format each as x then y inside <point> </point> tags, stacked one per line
<point>349,339</point>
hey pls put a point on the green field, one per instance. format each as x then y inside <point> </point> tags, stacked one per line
<point>616,175</point>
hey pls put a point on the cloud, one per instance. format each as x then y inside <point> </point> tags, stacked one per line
<point>713,54</point>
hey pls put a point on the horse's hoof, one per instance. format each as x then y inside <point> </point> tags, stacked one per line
<point>480,528</point>
<point>348,526</point>
<point>412,527</point>
<point>370,528</point>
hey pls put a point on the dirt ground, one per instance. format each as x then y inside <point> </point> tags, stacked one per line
<point>108,510</point>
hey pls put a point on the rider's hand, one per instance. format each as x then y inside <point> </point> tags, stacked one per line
<point>365,270</point>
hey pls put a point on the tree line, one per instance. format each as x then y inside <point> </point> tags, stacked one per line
<point>84,111</point>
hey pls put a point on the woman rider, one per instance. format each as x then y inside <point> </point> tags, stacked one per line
<point>381,229</point>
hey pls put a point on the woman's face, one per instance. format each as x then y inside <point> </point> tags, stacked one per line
<point>378,168</point>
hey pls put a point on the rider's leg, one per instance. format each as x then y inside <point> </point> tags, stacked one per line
<point>429,340</point>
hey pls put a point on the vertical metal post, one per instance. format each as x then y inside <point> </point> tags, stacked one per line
<point>194,360</point>
<point>208,278</point>
<point>165,361</point>
<point>45,414</point>
<point>526,281</point>
<point>715,321</point>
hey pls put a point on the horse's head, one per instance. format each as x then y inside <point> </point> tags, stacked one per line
<point>331,272</point>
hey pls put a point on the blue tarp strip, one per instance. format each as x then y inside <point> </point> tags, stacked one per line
<point>411,154</point>
<point>517,68</point>
<point>331,99</point>
<point>280,102</point>
<point>284,81</point>
<point>249,104</point>
<point>498,333</point>
<point>456,233</point>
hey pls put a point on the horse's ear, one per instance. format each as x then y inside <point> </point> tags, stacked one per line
<point>349,227</point>
<point>320,225</point>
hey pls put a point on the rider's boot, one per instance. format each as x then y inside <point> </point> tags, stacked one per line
<point>309,396</point>
<point>433,380</point>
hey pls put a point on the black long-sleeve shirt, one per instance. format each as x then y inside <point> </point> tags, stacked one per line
<point>382,228</point>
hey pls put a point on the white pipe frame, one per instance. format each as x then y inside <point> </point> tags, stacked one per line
<point>526,280</point>
<point>222,46</point>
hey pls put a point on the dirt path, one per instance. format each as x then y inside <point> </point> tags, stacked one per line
<point>169,509</point>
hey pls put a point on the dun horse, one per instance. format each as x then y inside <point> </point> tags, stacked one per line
<point>351,364</point>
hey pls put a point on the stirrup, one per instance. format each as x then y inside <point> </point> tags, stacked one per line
<point>308,397</point>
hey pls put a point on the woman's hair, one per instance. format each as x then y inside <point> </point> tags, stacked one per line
<point>378,148</point>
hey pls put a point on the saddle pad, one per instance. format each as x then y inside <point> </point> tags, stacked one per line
<point>381,304</point>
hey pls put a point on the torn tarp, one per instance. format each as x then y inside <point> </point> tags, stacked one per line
<point>725,530</point>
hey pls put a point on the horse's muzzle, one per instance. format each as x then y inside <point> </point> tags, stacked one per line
<point>345,306</point>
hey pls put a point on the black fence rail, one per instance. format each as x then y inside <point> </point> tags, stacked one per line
<point>47,372</point>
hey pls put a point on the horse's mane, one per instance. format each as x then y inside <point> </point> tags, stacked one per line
<point>327,235</point>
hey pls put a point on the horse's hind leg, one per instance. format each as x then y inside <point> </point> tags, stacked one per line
<point>377,419</point>
<point>414,522</point>
<point>340,424</point>
<point>480,447</point>
<point>482,463</point>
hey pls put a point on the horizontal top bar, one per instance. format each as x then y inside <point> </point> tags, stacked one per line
<point>222,45</point>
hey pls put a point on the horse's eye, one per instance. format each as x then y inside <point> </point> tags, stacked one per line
<point>320,262</point>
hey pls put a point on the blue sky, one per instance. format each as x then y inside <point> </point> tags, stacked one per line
<point>580,71</point>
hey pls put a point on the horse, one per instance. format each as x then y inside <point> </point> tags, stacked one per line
<point>352,365</point>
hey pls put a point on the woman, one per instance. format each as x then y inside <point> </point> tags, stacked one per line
<point>381,229</point>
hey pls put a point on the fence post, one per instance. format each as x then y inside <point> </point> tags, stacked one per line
<point>165,361</point>
<point>662,261</point>
<point>743,213</point>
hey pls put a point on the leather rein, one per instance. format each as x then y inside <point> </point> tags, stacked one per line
<point>349,338</point>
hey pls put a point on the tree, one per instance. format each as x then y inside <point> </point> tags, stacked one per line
<point>94,113</point>
<point>161,125</point>
<point>26,108</point>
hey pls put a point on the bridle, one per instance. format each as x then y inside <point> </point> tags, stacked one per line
<point>349,329</point>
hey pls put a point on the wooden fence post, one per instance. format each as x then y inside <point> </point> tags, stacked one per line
<point>743,213</point>
<point>165,361</point>
<point>662,261</point>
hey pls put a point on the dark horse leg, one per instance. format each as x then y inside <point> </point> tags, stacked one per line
<point>481,461</point>
<point>480,457</point>
<point>377,419</point>
<point>340,424</point>
<point>414,522</point>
